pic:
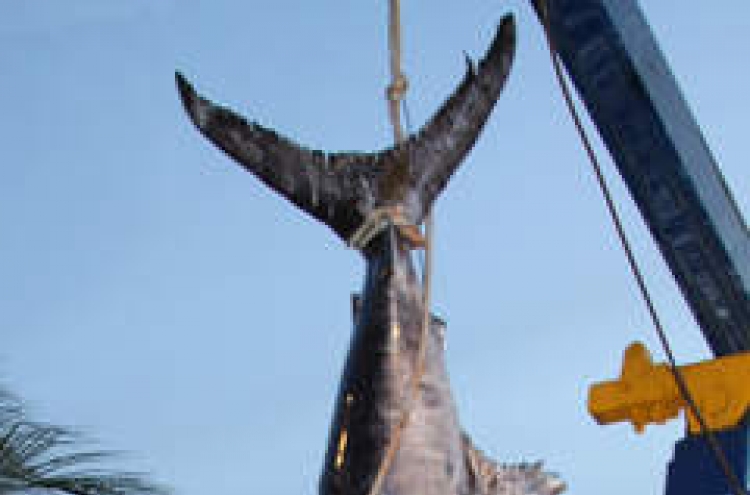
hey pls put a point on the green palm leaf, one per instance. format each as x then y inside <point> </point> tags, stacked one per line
<point>37,458</point>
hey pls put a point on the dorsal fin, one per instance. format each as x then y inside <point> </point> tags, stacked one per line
<point>341,189</point>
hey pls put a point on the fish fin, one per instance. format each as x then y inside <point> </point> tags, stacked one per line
<point>447,137</point>
<point>489,478</point>
<point>326,186</point>
<point>343,189</point>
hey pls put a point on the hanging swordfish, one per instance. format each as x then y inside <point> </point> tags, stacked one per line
<point>343,190</point>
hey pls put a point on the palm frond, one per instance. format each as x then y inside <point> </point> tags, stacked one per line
<point>38,458</point>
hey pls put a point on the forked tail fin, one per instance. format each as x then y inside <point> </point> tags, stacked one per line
<point>342,189</point>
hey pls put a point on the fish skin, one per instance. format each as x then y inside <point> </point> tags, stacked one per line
<point>375,388</point>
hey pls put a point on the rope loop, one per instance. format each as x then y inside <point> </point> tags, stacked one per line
<point>378,220</point>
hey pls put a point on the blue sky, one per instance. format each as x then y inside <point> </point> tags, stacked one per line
<point>157,297</point>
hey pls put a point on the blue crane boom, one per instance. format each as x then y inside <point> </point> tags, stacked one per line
<point>633,99</point>
<point>625,82</point>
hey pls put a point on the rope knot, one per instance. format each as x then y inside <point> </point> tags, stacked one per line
<point>397,90</point>
<point>378,220</point>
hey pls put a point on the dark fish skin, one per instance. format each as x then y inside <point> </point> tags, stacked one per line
<point>375,389</point>
<point>434,455</point>
<point>342,190</point>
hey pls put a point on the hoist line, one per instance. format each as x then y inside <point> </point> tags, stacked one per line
<point>399,84</point>
<point>718,452</point>
<point>395,95</point>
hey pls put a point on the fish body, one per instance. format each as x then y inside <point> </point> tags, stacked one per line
<point>376,389</point>
<point>432,455</point>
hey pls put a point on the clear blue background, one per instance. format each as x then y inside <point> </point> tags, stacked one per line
<point>160,299</point>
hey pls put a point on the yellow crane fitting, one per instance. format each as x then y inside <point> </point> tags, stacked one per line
<point>646,393</point>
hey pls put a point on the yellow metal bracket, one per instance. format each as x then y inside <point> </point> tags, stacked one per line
<point>646,393</point>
